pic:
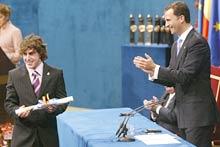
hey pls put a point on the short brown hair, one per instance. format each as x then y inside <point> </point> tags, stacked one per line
<point>5,10</point>
<point>180,8</point>
<point>34,42</point>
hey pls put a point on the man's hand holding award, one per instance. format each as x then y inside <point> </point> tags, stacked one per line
<point>45,103</point>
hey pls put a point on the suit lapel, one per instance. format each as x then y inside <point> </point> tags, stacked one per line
<point>26,82</point>
<point>45,79</point>
<point>171,103</point>
<point>174,52</point>
<point>163,99</point>
<point>183,49</point>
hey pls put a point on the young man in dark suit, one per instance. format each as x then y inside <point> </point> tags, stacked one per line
<point>163,110</point>
<point>189,73</point>
<point>26,85</point>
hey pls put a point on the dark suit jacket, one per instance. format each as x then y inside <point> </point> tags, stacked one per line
<point>167,116</point>
<point>189,73</point>
<point>39,124</point>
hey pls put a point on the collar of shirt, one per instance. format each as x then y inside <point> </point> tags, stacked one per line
<point>39,70</point>
<point>171,95</point>
<point>184,34</point>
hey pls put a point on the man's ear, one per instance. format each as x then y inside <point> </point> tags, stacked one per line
<point>182,18</point>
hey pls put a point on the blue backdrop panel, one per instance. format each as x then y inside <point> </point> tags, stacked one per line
<point>135,84</point>
<point>84,38</point>
<point>24,14</point>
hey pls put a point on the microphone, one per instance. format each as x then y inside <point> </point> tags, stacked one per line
<point>122,130</point>
<point>136,110</point>
<point>121,125</point>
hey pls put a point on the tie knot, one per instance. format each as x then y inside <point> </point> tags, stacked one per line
<point>179,41</point>
<point>35,74</point>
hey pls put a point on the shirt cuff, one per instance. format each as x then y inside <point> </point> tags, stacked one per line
<point>153,116</point>
<point>155,75</point>
<point>158,109</point>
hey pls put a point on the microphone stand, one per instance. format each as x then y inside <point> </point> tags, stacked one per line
<point>123,130</point>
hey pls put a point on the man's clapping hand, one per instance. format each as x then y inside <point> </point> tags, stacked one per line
<point>151,104</point>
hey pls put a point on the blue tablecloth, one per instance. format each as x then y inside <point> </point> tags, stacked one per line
<point>96,128</point>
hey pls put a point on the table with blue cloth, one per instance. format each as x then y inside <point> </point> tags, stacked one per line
<point>97,128</point>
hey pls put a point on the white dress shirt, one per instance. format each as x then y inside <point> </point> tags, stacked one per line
<point>39,70</point>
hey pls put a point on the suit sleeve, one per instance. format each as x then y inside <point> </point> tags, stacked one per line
<point>167,115</point>
<point>11,102</point>
<point>60,93</point>
<point>60,90</point>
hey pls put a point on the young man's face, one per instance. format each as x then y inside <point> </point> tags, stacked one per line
<point>173,22</point>
<point>31,58</point>
<point>3,19</point>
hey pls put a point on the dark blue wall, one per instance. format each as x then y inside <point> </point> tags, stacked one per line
<point>84,38</point>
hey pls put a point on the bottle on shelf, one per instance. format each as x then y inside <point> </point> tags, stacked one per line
<point>149,30</point>
<point>133,29</point>
<point>141,29</point>
<point>162,32</point>
<point>156,33</point>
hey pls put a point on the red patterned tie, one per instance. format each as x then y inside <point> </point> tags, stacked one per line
<point>36,82</point>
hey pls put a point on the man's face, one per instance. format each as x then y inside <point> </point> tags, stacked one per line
<point>3,20</point>
<point>170,90</point>
<point>173,22</point>
<point>31,58</point>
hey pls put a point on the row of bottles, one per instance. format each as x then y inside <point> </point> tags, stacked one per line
<point>148,33</point>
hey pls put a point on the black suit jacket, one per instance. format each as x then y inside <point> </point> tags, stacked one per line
<point>39,124</point>
<point>167,117</point>
<point>189,73</point>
